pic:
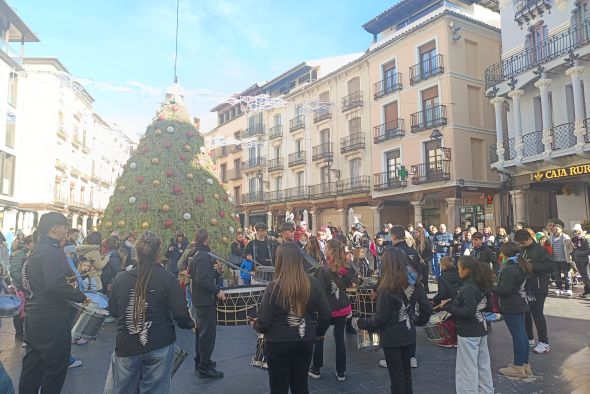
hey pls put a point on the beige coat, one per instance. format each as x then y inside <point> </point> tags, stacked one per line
<point>92,254</point>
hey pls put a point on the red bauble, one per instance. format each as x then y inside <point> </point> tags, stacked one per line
<point>145,149</point>
<point>144,207</point>
<point>221,214</point>
<point>174,107</point>
<point>225,197</point>
<point>182,157</point>
<point>189,134</point>
<point>169,173</point>
<point>167,145</point>
<point>162,117</point>
<point>177,190</point>
<point>199,199</point>
<point>118,209</point>
<point>140,179</point>
<point>168,223</point>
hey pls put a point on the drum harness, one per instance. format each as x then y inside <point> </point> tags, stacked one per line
<point>268,248</point>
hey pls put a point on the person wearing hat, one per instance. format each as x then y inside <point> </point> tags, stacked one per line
<point>580,256</point>
<point>261,248</point>
<point>287,231</point>
<point>356,236</point>
<point>384,233</point>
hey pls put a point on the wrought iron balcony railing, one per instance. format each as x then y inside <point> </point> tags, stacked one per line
<point>426,69</point>
<point>563,136</point>
<point>323,190</point>
<point>253,131</point>
<point>388,131</point>
<point>392,83</point>
<point>253,197</point>
<point>297,193</point>
<point>322,113</point>
<point>275,196</point>
<point>253,163</point>
<point>532,144</point>
<point>388,180</point>
<point>352,143</point>
<point>356,185</point>
<point>494,153</point>
<point>434,171</point>
<point>322,151</point>
<point>275,132</point>
<point>234,173</point>
<point>429,118</point>
<point>275,164</point>
<point>353,100</point>
<point>587,126</point>
<point>296,158</point>
<point>297,123</point>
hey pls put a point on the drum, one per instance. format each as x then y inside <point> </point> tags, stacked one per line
<point>264,273</point>
<point>366,307</point>
<point>9,305</point>
<point>259,359</point>
<point>240,303</point>
<point>353,296</point>
<point>88,322</point>
<point>179,357</point>
<point>368,341</point>
<point>434,329</point>
<point>99,299</point>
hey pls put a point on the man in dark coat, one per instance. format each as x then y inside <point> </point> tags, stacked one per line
<point>483,253</point>
<point>261,249</point>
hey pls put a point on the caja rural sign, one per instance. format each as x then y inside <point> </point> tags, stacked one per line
<point>558,173</point>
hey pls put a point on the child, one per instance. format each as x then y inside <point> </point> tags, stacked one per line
<point>248,265</point>
<point>218,274</point>
<point>449,284</point>
<point>400,308</point>
<point>473,372</point>
<point>379,247</point>
<point>360,261</point>
<point>88,280</point>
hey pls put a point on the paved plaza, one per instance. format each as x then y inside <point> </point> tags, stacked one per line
<point>568,319</point>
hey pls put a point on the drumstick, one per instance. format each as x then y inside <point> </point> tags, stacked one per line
<point>233,265</point>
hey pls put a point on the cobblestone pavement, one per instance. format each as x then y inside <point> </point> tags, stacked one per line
<point>568,320</point>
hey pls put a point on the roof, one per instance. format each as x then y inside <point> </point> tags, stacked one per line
<point>46,60</point>
<point>21,32</point>
<point>246,92</point>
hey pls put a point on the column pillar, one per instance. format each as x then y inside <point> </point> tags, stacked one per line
<point>246,219</point>
<point>343,213</point>
<point>85,224</point>
<point>376,219</point>
<point>575,73</point>
<point>498,103</point>
<point>519,205</point>
<point>543,86</point>
<point>74,220</point>
<point>453,216</point>
<point>515,95</point>
<point>315,221</point>
<point>94,222</point>
<point>417,211</point>
<point>269,219</point>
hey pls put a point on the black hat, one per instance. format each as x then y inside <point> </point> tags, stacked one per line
<point>261,226</point>
<point>287,227</point>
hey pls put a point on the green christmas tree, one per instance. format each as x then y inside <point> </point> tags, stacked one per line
<point>169,185</point>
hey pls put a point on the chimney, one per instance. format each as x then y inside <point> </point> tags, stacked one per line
<point>197,123</point>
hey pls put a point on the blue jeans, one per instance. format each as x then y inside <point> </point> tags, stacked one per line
<point>5,382</point>
<point>436,264</point>
<point>520,341</point>
<point>146,373</point>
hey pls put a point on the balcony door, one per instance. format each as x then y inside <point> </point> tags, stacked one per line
<point>300,177</point>
<point>582,14</point>
<point>390,112</point>
<point>277,120</point>
<point>324,137</point>
<point>253,186</point>
<point>277,152</point>
<point>354,85</point>
<point>428,59</point>
<point>325,179</point>
<point>279,187</point>
<point>430,109</point>
<point>389,76</point>
<point>252,155</point>
<point>392,164</point>
<point>538,35</point>
<point>434,156</point>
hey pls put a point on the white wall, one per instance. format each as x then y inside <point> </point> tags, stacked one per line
<point>570,208</point>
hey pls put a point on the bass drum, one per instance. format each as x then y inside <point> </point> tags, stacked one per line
<point>241,302</point>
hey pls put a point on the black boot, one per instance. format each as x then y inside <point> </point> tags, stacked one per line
<point>210,373</point>
<point>349,328</point>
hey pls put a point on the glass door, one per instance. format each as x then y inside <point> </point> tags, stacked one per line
<point>434,157</point>
<point>392,159</point>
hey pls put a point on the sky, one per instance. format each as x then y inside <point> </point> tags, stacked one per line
<point>123,50</point>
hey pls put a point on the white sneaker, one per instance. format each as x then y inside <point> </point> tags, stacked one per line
<point>568,293</point>
<point>532,343</point>
<point>383,363</point>
<point>558,292</point>
<point>341,378</point>
<point>75,364</point>
<point>414,362</point>
<point>542,348</point>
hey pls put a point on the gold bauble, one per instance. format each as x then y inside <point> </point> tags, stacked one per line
<point>155,183</point>
<point>213,222</point>
<point>155,160</point>
<point>187,148</point>
<point>158,132</point>
<point>216,196</point>
<point>122,188</point>
<point>190,175</point>
<point>145,225</point>
<point>165,207</point>
<point>224,239</point>
<point>121,223</point>
<point>108,224</point>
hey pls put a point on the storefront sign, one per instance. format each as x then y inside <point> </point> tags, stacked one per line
<point>559,173</point>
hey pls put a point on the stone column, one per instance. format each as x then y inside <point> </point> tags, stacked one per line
<point>85,224</point>
<point>74,220</point>
<point>417,211</point>
<point>543,86</point>
<point>376,219</point>
<point>315,221</point>
<point>94,222</point>
<point>453,215</point>
<point>246,219</point>
<point>269,219</point>
<point>515,95</point>
<point>498,103</point>
<point>519,205</point>
<point>343,213</point>
<point>575,73</point>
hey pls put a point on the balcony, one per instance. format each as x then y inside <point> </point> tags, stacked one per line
<point>527,10</point>
<point>563,136</point>
<point>435,171</point>
<point>388,131</point>
<point>532,144</point>
<point>391,84</point>
<point>234,174</point>
<point>297,158</point>
<point>234,148</point>
<point>256,130</point>
<point>323,190</point>
<point>352,143</point>
<point>555,46</point>
<point>275,196</point>
<point>7,48</point>
<point>296,193</point>
<point>587,126</point>
<point>322,151</point>
<point>275,164</point>
<point>219,152</point>
<point>275,132</point>
<point>428,118</point>
<point>356,185</point>
<point>61,132</point>
<point>388,180</point>
<point>353,100</point>
<point>297,123</point>
<point>253,198</point>
<point>322,113</point>
<point>253,163</point>
<point>426,69</point>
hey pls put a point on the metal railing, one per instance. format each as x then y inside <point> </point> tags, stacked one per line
<point>532,144</point>
<point>428,118</point>
<point>390,84</point>
<point>275,196</point>
<point>389,130</point>
<point>587,126</point>
<point>426,69</point>
<point>297,123</point>
<point>438,170</point>
<point>234,148</point>
<point>510,149</point>
<point>388,180</point>
<point>563,136</point>
<point>297,193</point>
<point>253,131</point>
<point>322,113</point>
<point>296,158</point>
<point>323,190</point>
<point>253,162</point>
<point>530,58</point>
<point>322,151</point>
<point>353,142</point>
<point>253,197</point>
<point>494,153</point>
<point>356,185</point>
<point>353,100</point>
<point>275,164</point>
<point>234,173</point>
<point>275,132</point>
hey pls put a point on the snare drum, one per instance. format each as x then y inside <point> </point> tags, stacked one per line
<point>264,273</point>
<point>240,303</point>
<point>259,359</point>
<point>179,356</point>
<point>435,331</point>
<point>366,307</point>
<point>88,321</point>
<point>366,340</point>
<point>9,305</point>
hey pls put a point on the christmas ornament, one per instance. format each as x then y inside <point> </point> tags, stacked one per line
<point>139,179</point>
<point>221,214</point>
<point>145,225</point>
<point>122,188</point>
<point>145,149</point>
<point>155,160</point>
<point>174,107</point>
<point>225,198</point>
<point>132,200</point>
<point>177,190</point>
<point>210,181</point>
<point>144,207</point>
<point>182,158</point>
<point>133,165</point>
<point>190,175</point>
<point>202,149</point>
<point>162,117</point>
<point>168,223</point>
<point>187,148</point>
<point>167,145</point>
<point>118,209</point>
<point>189,134</point>
<point>231,229</point>
<point>224,239</point>
<point>230,199</point>
<point>121,223</point>
<point>216,196</point>
<point>169,173</point>
<point>165,207</point>
<point>170,129</point>
<point>199,199</point>
<point>213,222</point>
<point>155,183</point>
<point>186,216</point>
<point>108,224</point>
<point>158,132</point>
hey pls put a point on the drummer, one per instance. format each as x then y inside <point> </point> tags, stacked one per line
<point>287,231</point>
<point>262,249</point>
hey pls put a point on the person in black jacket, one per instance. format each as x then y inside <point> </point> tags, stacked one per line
<point>261,248</point>
<point>425,255</point>
<point>114,264</point>
<point>145,300</point>
<point>473,372</point>
<point>205,294</point>
<point>287,318</point>
<point>401,307</point>
<point>580,256</point>
<point>513,306</point>
<point>537,288</point>
<point>449,284</point>
<point>49,284</point>
<point>483,253</point>
<point>175,251</point>
<point>237,249</point>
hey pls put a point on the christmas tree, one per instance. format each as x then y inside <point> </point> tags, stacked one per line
<point>169,185</point>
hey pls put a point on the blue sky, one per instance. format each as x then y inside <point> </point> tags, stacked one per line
<point>124,49</point>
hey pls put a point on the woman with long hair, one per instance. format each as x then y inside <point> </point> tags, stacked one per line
<point>314,250</point>
<point>513,306</point>
<point>90,250</point>
<point>146,301</point>
<point>424,249</point>
<point>334,278</point>
<point>287,318</point>
<point>400,307</point>
<point>501,238</point>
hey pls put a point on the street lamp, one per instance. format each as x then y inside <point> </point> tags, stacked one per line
<point>436,135</point>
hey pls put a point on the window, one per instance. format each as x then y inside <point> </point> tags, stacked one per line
<point>237,195</point>
<point>10,131</point>
<point>431,111</point>
<point>390,112</point>
<point>277,120</point>
<point>325,97</point>
<point>392,163</point>
<point>277,151</point>
<point>253,185</point>
<point>252,153</point>
<point>298,110</point>
<point>428,59</point>
<point>300,176</point>
<point>237,164</point>
<point>8,167</point>
<point>434,156</point>
<point>354,85</point>
<point>325,175</point>
<point>82,199</point>
<point>354,126</point>
<point>57,190</point>
<point>389,76</point>
<point>72,196</point>
<point>324,136</point>
<point>299,146</point>
<point>278,183</point>
<point>223,172</point>
<point>12,89</point>
<point>538,34</point>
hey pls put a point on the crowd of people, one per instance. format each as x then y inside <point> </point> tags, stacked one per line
<point>475,273</point>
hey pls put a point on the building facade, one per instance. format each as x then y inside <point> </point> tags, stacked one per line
<point>538,92</point>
